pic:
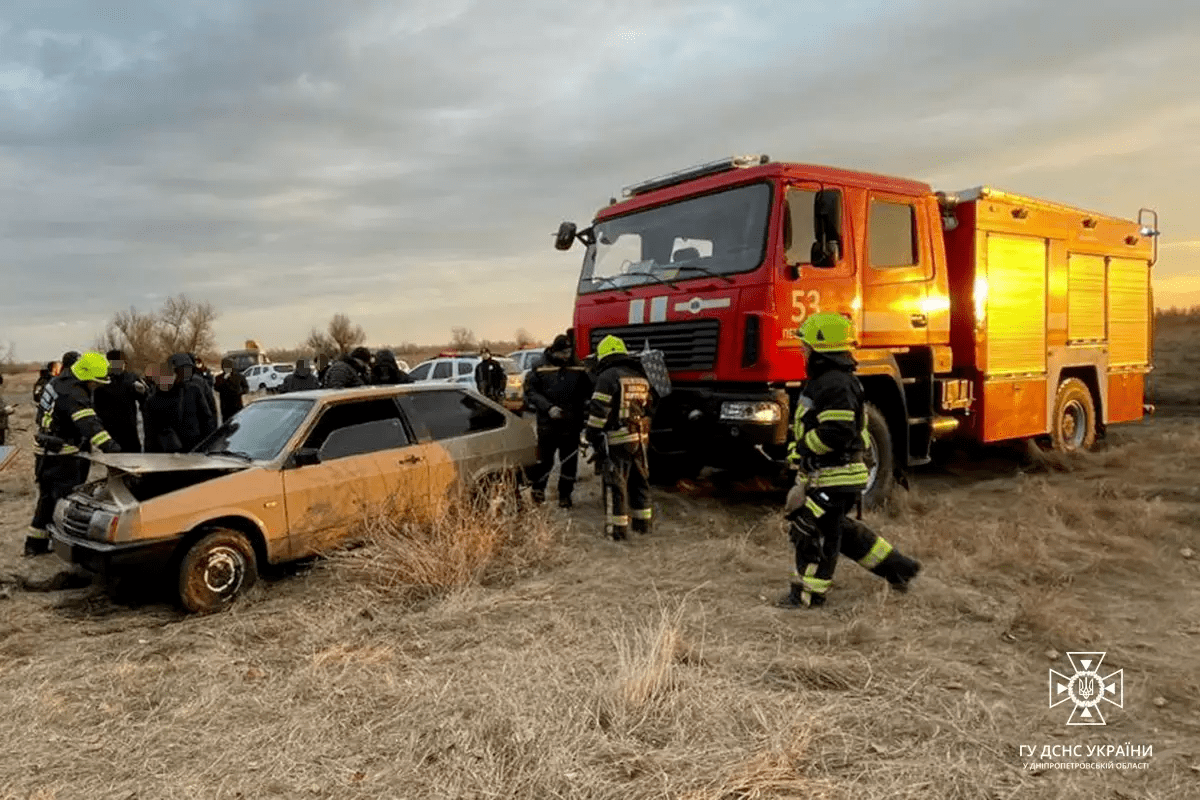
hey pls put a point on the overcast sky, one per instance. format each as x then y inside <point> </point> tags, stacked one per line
<point>406,162</point>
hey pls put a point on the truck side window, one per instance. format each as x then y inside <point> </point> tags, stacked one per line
<point>798,233</point>
<point>892,234</point>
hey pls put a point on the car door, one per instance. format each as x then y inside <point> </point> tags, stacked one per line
<point>358,461</point>
<point>460,434</point>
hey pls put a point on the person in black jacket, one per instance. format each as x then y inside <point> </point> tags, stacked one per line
<point>301,379</point>
<point>178,415</point>
<point>230,385</point>
<point>829,436</point>
<point>618,429</point>
<point>67,426</point>
<point>118,401</point>
<point>350,370</point>
<point>45,375</point>
<point>490,377</point>
<point>386,371</point>
<point>557,389</point>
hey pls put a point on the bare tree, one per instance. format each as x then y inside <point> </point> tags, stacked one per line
<point>523,339</point>
<point>8,353</point>
<point>137,335</point>
<point>186,326</point>
<point>182,325</point>
<point>345,334</point>
<point>462,338</point>
<point>320,344</point>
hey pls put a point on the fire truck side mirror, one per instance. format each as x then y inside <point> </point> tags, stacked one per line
<point>565,236</point>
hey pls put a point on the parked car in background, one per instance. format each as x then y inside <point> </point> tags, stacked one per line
<point>458,368</point>
<point>288,477</point>
<point>268,377</point>
<point>527,359</point>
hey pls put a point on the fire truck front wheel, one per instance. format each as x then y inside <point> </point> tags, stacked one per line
<point>879,457</point>
<point>1074,423</point>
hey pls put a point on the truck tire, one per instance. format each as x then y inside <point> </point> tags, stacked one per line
<point>216,570</point>
<point>1073,426</point>
<point>879,457</point>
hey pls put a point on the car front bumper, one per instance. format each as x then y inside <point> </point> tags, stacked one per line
<point>109,557</point>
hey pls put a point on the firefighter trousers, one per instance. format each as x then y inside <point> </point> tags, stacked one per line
<point>57,477</point>
<point>563,442</point>
<point>821,529</point>
<point>626,478</point>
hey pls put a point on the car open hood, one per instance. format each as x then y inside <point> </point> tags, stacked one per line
<point>142,463</point>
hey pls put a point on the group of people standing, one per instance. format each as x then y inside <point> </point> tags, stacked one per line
<point>611,405</point>
<point>829,439</point>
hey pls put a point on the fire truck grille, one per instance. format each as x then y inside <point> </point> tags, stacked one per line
<point>686,345</point>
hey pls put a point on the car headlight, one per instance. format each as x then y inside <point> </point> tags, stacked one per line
<point>764,412</point>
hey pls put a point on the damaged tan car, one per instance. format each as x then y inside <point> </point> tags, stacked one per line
<point>287,477</point>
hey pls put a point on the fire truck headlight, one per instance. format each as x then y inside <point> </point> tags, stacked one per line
<point>766,413</point>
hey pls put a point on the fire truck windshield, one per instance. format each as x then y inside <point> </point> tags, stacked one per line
<point>715,234</point>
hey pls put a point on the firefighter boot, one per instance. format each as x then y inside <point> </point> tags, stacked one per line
<point>564,501</point>
<point>898,569</point>
<point>36,546</point>
<point>538,496</point>
<point>794,598</point>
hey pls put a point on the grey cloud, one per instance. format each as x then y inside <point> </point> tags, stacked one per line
<point>320,152</point>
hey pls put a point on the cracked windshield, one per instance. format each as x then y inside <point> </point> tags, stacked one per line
<point>717,234</point>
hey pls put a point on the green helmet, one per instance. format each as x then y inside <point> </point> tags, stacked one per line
<point>608,345</point>
<point>91,367</point>
<point>828,332</point>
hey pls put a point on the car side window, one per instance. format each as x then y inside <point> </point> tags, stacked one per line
<point>420,372</point>
<point>441,369</point>
<point>444,415</point>
<point>365,437</point>
<point>355,414</point>
<point>466,368</point>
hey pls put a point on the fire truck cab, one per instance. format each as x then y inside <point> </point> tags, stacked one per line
<point>979,313</point>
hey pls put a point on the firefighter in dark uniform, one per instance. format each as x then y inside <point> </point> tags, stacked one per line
<point>67,426</point>
<point>618,429</point>
<point>557,389</point>
<point>829,439</point>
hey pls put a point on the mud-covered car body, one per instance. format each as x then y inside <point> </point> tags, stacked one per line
<point>294,474</point>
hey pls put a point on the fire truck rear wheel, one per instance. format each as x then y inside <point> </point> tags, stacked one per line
<point>1074,423</point>
<point>879,457</point>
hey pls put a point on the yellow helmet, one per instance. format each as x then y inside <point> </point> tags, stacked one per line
<point>828,332</point>
<point>91,367</point>
<point>608,345</point>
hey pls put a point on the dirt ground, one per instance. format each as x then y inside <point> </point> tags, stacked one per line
<point>657,668</point>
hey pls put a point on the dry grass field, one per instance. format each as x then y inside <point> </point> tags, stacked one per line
<point>537,660</point>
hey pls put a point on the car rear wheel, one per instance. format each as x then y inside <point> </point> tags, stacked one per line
<point>216,570</point>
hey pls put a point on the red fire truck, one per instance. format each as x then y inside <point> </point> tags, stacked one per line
<point>980,313</point>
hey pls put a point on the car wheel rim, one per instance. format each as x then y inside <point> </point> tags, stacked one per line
<point>223,570</point>
<point>1074,424</point>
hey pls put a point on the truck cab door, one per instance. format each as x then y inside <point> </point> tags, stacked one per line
<point>897,271</point>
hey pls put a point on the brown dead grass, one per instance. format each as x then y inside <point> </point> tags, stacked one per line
<point>474,539</point>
